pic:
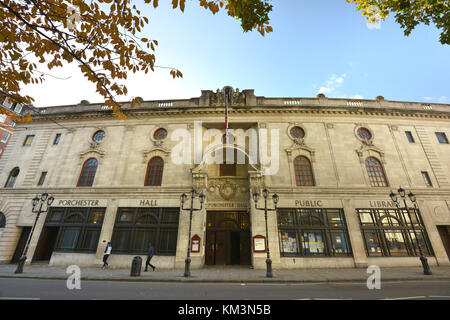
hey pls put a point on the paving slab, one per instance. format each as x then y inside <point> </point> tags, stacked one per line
<point>226,274</point>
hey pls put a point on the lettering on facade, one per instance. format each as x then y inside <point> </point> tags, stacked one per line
<point>228,205</point>
<point>78,203</point>
<point>309,203</point>
<point>148,203</point>
<point>381,204</point>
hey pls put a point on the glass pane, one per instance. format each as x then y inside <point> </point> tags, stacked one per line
<point>96,216</point>
<point>74,217</point>
<point>121,239</point>
<point>313,242</point>
<point>373,243</point>
<point>126,215</point>
<point>147,219</point>
<point>167,241</point>
<point>339,242</point>
<point>69,238</point>
<point>90,240</point>
<point>142,237</point>
<point>335,218</point>
<point>55,215</point>
<point>288,242</point>
<point>396,243</point>
<point>422,242</point>
<point>170,216</point>
<point>286,218</point>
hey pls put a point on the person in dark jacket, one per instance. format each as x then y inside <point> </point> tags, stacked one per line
<point>150,253</point>
<point>106,254</point>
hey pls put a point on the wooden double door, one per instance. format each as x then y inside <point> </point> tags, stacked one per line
<point>227,238</point>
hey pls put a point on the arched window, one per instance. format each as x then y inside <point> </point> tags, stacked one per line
<point>12,178</point>
<point>2,220</point>
<point>154,172</point>
<point>376,173</point>
<point>88,173</point>
<point>303,171</point>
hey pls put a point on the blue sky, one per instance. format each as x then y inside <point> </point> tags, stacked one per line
<point>317,46</point>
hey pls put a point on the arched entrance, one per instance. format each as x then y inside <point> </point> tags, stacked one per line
<point>227,238</point>
<point>228,220</point>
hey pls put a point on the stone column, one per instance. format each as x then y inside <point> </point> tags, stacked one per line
<point>355,234</point>
<point>433,234</point>
<point>107,231</point>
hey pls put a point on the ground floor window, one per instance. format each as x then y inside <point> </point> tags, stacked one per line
<point>79,228</point>
<point>136,227</point>
<point>313,232</point>
<point>393,232</point>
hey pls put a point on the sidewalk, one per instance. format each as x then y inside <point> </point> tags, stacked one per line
<point>227,274</point>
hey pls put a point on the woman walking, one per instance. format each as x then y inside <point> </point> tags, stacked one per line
<point>106,255</point>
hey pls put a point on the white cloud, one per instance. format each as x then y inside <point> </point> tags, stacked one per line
<point>443,99</point>
<point>428,98</point>
<point>357,96</point>
<point>332,84</point>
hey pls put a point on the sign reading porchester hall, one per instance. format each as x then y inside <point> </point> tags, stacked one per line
<point>332,163</point>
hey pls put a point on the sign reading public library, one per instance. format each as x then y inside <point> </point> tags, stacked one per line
<point>309,203</point>
<point>387,204</point>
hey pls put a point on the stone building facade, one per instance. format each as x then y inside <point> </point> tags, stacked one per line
<point>332,163</point>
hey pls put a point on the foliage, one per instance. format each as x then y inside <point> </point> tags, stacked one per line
<point>410,13</point>
<point>101,36</point>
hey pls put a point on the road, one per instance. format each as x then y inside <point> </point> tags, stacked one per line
<point>34,289</point>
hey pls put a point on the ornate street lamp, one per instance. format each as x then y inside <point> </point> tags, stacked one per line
<point>275,199</point>
<point>412,198</point>
<point>183,199</point>
<point>46,199</point>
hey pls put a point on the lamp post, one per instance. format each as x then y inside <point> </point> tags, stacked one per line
<point>275,198</point>
<point>202,197</point>
<point>412,197</point>
<point>48,200</point>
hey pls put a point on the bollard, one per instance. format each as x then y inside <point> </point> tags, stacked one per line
<point>136,266</point>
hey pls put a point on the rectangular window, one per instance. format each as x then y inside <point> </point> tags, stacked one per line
<point>5,137</point>
<point>409,136</point>
<point>427,179</point>
<point>78,232</point>
<point>12,123</point>
<point>391,233</point>
<point>313,232</point>
<point>28,140</point>
<point>42,178</point>
<point>57,138</point>
<point>442,138</point>
<point>2,118</point>
<point>136,227</point>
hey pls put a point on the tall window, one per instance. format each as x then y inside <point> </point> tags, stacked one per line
<point>88,173</point>
<point>5,137</point>
<point>376,173</point>
<point>313,232</point>
<point>409,136</point>
<point>57,138</point>
<point>136,227</point>
<point>442,138</point>
<point>389,232</point>
<point>42,178</point>
<point>12,178</point>
<point>2,220</point>
<point>28,140</point>
<point>154,174</point>
<point>427,179</point>
<point>303,171</point>
<point>79,228</point>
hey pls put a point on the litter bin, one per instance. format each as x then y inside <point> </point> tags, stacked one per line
<point>136,266</point>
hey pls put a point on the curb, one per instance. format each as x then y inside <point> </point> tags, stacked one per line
<point>221,281</point>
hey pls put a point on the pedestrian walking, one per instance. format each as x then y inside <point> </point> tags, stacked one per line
<point>150,253</point>
<point>106,254</point>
